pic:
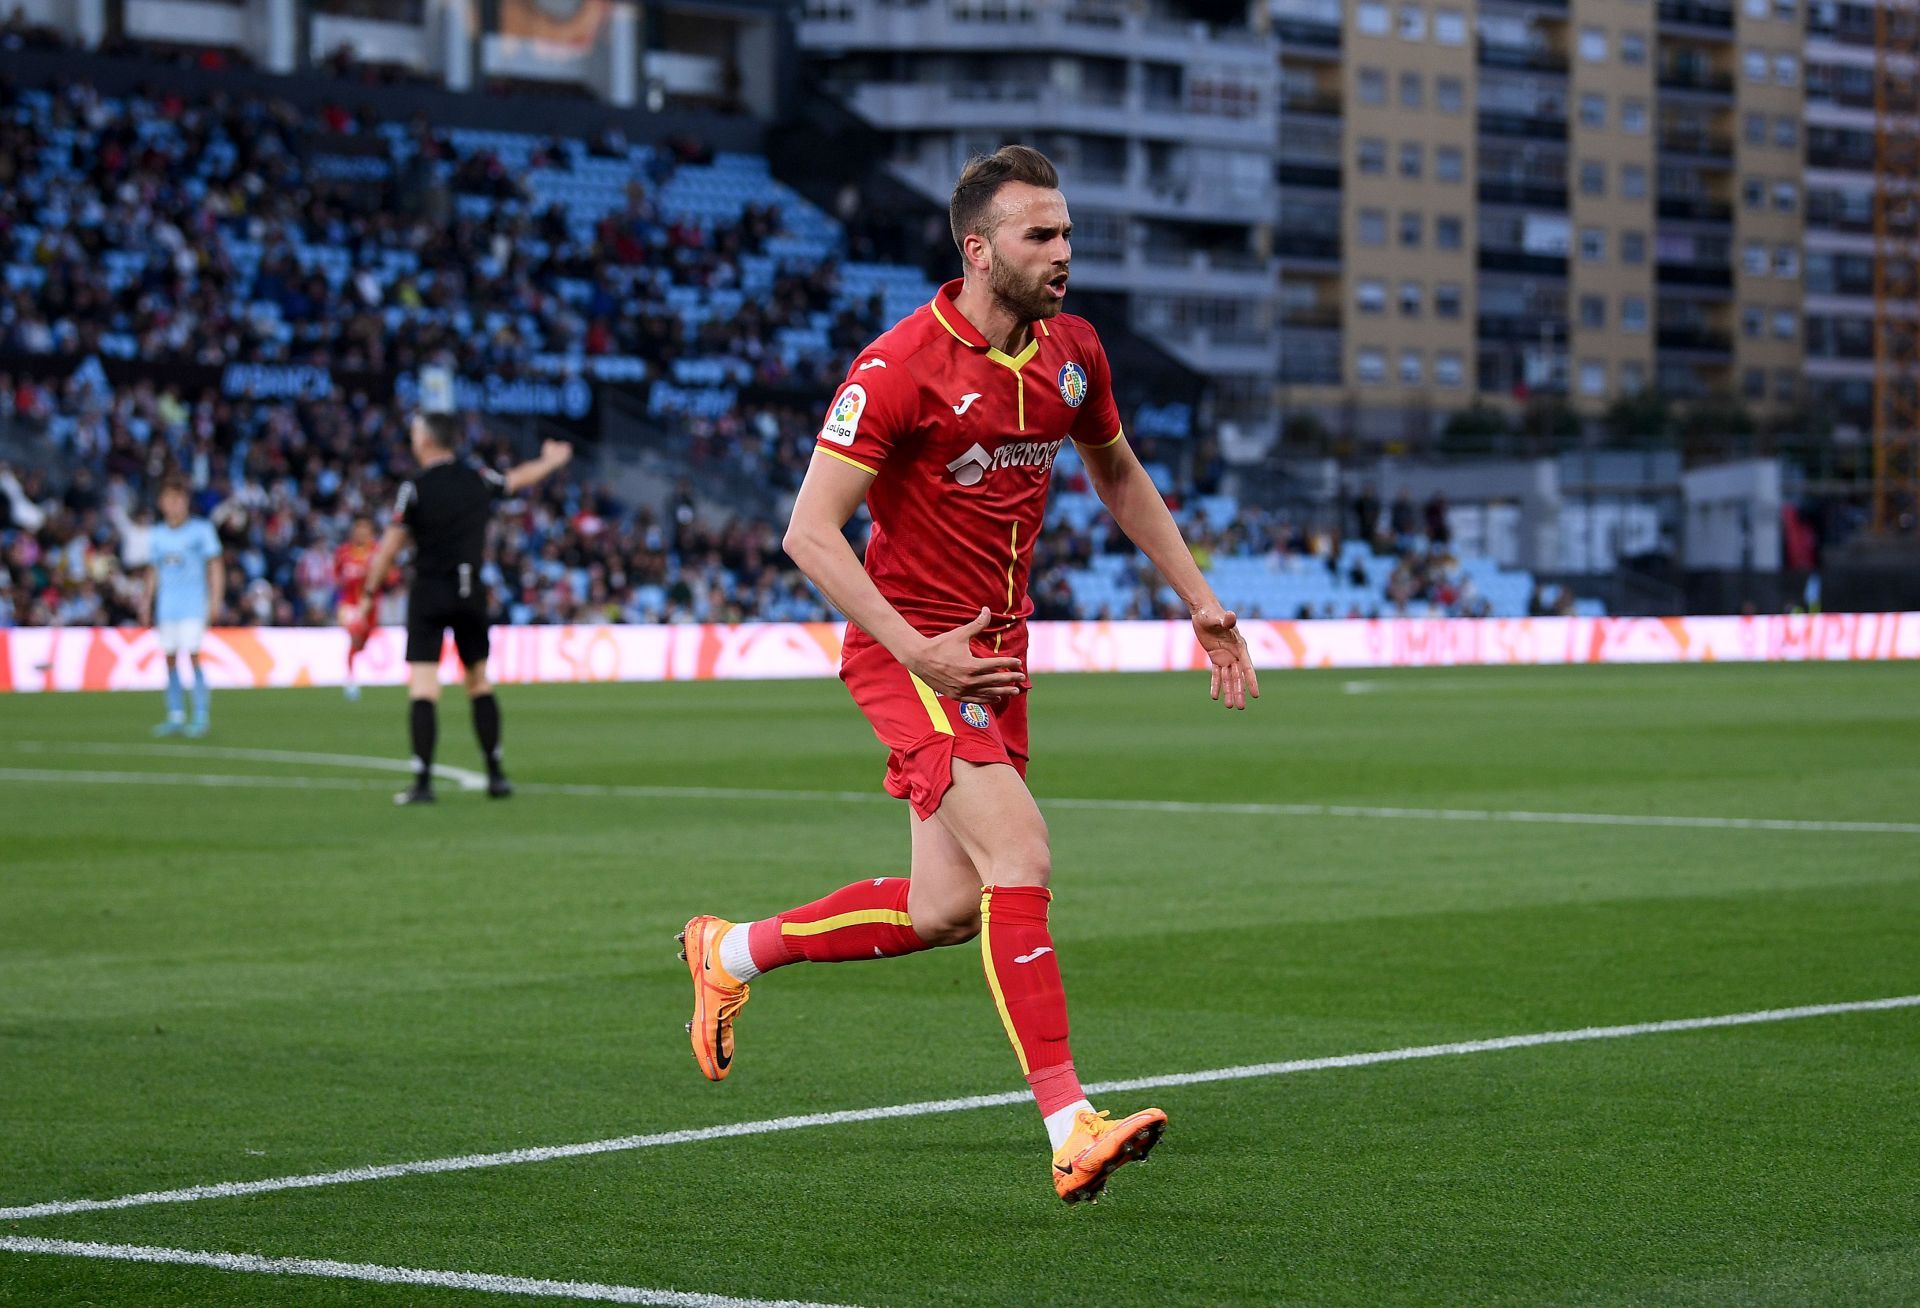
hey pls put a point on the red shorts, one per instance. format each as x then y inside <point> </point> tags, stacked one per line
<point>925,732</point>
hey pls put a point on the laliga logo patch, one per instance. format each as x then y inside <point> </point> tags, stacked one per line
<point>974,715</point>
<point>1073,384</point>
<point>844,420</point>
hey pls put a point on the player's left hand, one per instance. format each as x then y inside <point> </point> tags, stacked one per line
<point>556,454</point>
<point>1233,677</point>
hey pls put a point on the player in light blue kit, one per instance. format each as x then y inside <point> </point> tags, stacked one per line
<point>185,583</point>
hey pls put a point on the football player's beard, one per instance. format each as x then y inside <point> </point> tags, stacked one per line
<point>1024,299</point>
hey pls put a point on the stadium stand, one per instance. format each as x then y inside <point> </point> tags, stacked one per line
<point>238,230</point>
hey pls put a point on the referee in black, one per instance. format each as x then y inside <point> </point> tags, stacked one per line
<point>444,510</point>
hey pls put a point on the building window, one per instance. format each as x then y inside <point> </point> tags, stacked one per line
<point>1753,193</point>
<point>1593,377</point>
<point>1413,23</point>
<point>1754,128</point>
<point>1756,65</point>
<point>1593,110</point>
<point>1449,163</point>
<point>1633,116</point>
<point>1633,248</point>
<point>1413,159</point>
<point>1446,368</point>
<point>1413,91</point>
<point>1372,86</point>
<point>1446,300</point>
<point>1786,69</point>
<point>1786,385</point>
<point>1593,245</point>
<point>1786,324</point>
<point>1785,10</point>
<point>1373,227</point>
<point>1412,298</point>
<point>1370,365</point>
<point>1447,232</point>
<point>1753,322</point>
<point>1753,259</point>
<point>1633,48</point>
<point>1633,378</point>
<point>1449,95</point>
<point>1413,367</point>
<point>1786,133</point>
<point>1786,196</point>
<point>1372,19</point>
<point>1449,27</point>
<point>1757,8</point>
<point>1593,45</point>
<point>1373,155</point>
<point>1593,311</point>
<point>1593,177</point>
<point>1753,383</point>
<point>1633,313</point>
<point>1786,261</point>
<point>1370,295</point>
<point>1412,226</point>
<point>1633,181</point>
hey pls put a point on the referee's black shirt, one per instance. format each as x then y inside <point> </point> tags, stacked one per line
<point>446,508</point>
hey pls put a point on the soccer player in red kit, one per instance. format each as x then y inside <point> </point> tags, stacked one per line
<point>947,426</point>
<point>350,564</point>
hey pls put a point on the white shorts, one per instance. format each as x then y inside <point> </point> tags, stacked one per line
<point>181,636</point>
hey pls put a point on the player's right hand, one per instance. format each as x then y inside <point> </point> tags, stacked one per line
<point>948,664</point>
<point>555,454</point>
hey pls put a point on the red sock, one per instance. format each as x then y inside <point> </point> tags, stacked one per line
<point>867,919</point>
<point>1024,975</point>
<point>1055,1088</point>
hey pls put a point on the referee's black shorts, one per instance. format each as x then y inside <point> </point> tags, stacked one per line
<point>434,606</point>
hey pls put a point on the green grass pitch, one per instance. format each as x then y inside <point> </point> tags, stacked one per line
<point>202,984</point>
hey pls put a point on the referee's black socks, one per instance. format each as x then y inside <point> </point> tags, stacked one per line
<point>425,725</point>
<point>486,725</point>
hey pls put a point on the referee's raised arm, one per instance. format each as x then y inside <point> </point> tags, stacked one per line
<point>554,455</point>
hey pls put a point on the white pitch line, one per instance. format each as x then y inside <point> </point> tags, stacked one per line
<point>463,777</point>
<point>928,1108</point>
<point>486,1282</point>
<point>1523,817</point>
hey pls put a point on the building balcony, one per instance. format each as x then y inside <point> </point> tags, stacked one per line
<point>1014,108</point>
<point>1307,247</point>
<point>1690,209</point>
<point>1522,261</point>
<point>1320,317</point>
<point>1698,145</point>
<point>1533,195</point>
<point>1324,176</point>
<point>1694,274</point>
<point>1690,18</point>
<point>1524,126</point>
<point>1491,329</point>
<point>1322,104</point>
<point>1697,81</point>
<point>1197,272</point>
<point>1524,59</point>
<point>1693,340</point>
<point>1080,28</point>
<point>1307,36</point>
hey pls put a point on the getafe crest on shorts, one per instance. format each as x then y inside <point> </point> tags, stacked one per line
<point>844,419</point>
<point>974,715</point>
<point>1073,384</point>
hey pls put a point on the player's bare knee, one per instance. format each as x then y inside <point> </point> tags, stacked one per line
<point>1030,863</point>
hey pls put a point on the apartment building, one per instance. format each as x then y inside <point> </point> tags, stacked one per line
<point>1493,198</point>
<point>1162,117</point>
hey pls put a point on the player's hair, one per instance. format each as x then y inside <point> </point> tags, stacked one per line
<point>971,210</point>
<point>173,481</point>
<point>443,429</point>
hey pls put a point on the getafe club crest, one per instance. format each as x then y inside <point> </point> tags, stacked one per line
<point>1073,384</point>
<point>974,715</point>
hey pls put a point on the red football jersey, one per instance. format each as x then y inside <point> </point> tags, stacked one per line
<point>961,439</point>
<point>350,565</point>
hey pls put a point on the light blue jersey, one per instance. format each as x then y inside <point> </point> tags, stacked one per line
<point>180,557</point>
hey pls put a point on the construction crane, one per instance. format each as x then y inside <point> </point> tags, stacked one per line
<point>1896,267</point>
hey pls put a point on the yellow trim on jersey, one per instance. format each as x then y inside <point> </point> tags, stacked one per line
<point>1014,361</point>
<point>836,454</point>
<point>993,982</point>
<point>934,304</point>
<point>1013,560</point>
<point>859,917</point>
<point>931,702</point>
<point>1041,323</point>
<point>1103,444</point>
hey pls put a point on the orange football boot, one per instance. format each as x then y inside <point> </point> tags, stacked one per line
<point>717,997</point>
<point>1097,1147</point>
